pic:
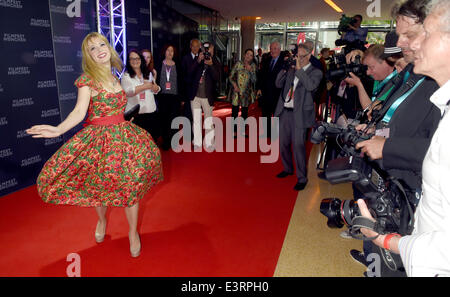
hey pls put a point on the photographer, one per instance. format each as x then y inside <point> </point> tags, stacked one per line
<point>380,66</point>
<point>425,252</point>
<point>355,32</point>
<point>407,120</point>
<point>205,75</point>
<point>295,108</point>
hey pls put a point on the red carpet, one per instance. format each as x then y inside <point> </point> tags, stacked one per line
<point>216,214</point>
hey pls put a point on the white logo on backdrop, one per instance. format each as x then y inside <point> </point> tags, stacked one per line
<point>11,4</point>
<point>74,9</point>
<point>374,9</point>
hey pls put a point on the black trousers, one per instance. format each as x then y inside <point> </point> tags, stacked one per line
<point>169,108</point>
<point>268,106</point>
<point>149,122</point>
<point>235,113</point>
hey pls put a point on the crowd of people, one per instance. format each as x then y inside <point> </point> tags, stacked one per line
<point>407,83</point>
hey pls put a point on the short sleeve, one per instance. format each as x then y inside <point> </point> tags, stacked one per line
<point>84,81</point>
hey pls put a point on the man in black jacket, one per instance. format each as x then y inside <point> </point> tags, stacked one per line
<point>408,119</point>
<point>187,63</point>
<point>266,84</point>
<point>201,91</point>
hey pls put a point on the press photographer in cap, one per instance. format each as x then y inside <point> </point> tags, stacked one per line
<point>380,61</point>
<point>426,251</point>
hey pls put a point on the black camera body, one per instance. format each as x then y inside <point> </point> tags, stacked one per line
<point>205,50</point>
<point>291,53</point>
<point>385,198</point>
<point>339,70</point>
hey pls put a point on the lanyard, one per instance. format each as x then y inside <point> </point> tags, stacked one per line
<point>168,70</point>
<point>381,85</point>
<point>387,118</point>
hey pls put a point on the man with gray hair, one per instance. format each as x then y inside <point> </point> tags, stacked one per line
<point>426,251</point>
<point>404,126</point>
<point>295,108</point>
<point>266,87</point>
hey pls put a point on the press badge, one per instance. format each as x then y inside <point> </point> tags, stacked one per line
<point>142,96</point>
<point>383,132</point>
<point>168,86</point>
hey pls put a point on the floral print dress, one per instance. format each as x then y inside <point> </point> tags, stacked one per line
<point>246,82</point>
<point>111,165</point>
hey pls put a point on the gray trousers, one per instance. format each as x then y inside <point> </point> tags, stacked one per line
<point>292,144</point>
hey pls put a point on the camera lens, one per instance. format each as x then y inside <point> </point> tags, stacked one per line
<point>339,213</point>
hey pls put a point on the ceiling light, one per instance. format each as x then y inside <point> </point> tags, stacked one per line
<point>334,5</point>
<point>258,18</point>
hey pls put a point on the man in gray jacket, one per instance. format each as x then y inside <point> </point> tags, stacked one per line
<point>295,108</point>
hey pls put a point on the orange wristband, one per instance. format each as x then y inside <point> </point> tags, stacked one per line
<point>387,240</point>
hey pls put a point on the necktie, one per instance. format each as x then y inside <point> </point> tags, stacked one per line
<point>272,64</point>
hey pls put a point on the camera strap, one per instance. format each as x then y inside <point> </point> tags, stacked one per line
<point>359,222</point>
<point>380,85</point>
<point>390,113</point>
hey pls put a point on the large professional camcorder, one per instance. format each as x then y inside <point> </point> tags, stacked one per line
<point>385,196</point>
<point>344,24</point>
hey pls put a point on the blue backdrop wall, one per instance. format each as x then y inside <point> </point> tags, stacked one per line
<point>40,61</point>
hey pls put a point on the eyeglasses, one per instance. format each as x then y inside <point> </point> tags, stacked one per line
<point>302,57</point>
<point>135,59</point>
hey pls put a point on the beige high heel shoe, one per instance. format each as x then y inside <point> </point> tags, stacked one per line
<point>99,237</point>
<point>135,252</point>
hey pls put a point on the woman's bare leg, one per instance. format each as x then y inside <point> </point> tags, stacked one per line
<point>132,217</point>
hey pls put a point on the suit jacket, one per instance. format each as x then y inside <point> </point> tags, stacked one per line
<point>411,130</point>
<point>267,77</point>
<point>194,73</point>
<point>187,63</point>
<point>309,81</point>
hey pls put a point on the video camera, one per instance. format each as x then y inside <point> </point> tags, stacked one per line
<point>385,196</point>
<point>344,24</point>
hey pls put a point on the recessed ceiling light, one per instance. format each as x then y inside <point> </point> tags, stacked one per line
<point>334,6</point>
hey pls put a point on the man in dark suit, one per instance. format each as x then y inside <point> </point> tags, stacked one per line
<point>187,64</point>
<point>266,87</point>
<point>202,92</point>
<point>295,108</point>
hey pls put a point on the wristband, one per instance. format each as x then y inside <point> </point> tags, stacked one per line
<point>387,240</point>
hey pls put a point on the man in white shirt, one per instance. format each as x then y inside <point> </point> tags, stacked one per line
<point>427,251</point>
<point>295,108</point>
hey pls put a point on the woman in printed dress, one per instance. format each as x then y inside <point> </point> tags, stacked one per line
<point>110,162</point>
<point>243,79</point>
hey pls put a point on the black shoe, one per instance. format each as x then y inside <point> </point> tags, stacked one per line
<point>300,186</point>
<point>321,175</point>
<point>359,257</point>
<point>284,174</point>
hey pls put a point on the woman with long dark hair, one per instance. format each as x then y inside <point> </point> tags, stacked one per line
<point>168,98</point>
<point>139,85</point>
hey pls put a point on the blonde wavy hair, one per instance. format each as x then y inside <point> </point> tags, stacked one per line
<point>91,68</point>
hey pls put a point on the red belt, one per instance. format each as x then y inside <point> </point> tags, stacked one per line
<point>106,121</point>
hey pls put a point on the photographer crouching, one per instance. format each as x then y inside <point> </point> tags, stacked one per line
<point>425,251</point>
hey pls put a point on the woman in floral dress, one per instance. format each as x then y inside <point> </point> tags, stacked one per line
<point>111,162</point>
<point>243,79</point>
